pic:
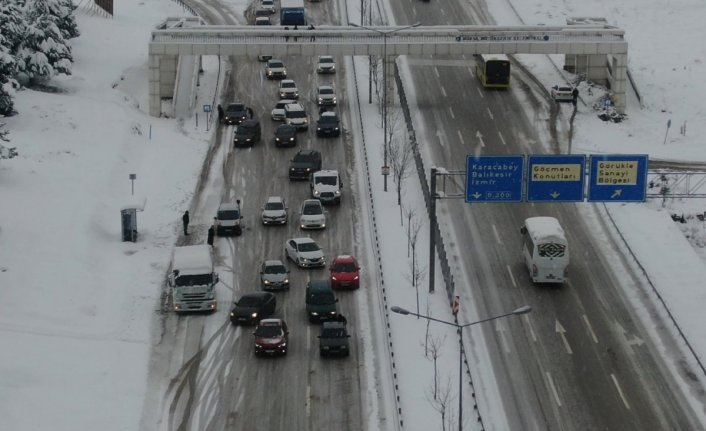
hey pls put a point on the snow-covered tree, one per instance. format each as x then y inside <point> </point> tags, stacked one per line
<point>66,19</point>
<point>44,51</point>
<point>8,84</point>
<point>6,152</point>
<point>12,24</point>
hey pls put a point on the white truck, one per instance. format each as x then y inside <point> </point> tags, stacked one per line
<point>193,279</point>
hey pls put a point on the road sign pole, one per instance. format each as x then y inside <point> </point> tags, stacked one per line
<point>432,228</point>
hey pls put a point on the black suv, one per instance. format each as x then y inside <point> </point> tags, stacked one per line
<point>286,136</point>
<point>334,339</point>
<point>235,113</point>
<point>303,164</point>
<point>328,125</point>
<point>247,134</point>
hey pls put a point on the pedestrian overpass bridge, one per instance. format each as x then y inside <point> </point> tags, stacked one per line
<point>601,50</point>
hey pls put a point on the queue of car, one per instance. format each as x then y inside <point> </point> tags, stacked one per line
<point>259,308</point>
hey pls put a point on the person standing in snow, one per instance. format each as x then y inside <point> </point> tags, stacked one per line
<point>185,221</point>
<point>211,233</point>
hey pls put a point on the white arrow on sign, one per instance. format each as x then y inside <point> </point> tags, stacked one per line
<point>554,195</point>
<point>616,193</point>
<point>562,332</point>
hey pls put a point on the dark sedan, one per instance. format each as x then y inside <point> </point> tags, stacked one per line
<point>252,307</point>
<point>304,163</point>
<point>235,113</point>
<point>328,125</point>
<point>286,136</point>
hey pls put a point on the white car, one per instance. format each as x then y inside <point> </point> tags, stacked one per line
<point>277,113</point>
<point>562,93</point>
<point>263,20</point>
<point>305,252</point>
<point>325,96</point>
<point>312,215</point>
<point>274,211</point>
<point>326,64</point>
<point>288,89</point>
<point>268,5</point>
<point>275,69</point>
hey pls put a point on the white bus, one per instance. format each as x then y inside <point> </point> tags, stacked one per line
<point>545,249</point>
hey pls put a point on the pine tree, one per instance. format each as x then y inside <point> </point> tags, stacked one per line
<point>66,19</point>
<point>8,84</point>
<point>44,51</point>
<point>12,24</point>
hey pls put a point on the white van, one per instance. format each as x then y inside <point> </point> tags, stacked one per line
<point>295,115</point>
<point>193,279</point>
<point>545,249</point>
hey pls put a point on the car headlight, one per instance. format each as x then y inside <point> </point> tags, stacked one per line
<point>254,315</point>
<point>335,128</point>
<point>286,280</point>
<point>333,100</point>
<point>337,193</point>
<point>266,281</point>
<point>258,345</point>
<point>291,169</point>
<point>326,347</point>
<point>232,314</point>
<point>334,278</point>
<point>317,193</point>
<point>321,100</point>
<point>292,138</point>
<point>303,226</point>
<point>318,128</point>
<point>314,313</point>
<point>308,169</point>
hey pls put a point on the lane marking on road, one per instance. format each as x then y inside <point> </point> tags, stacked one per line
<point>443,91</point>
<point>512,277</point>
<point>499,327</point>
<point>460,137</point>
<point>470,69</point>
<point>308,338</point>
<point>531,327</point>
<point>502,139</point>
<point>553,388</point>
<point>562,332</point>
<point>620,391</point>
<point>308,401</point>
<point>590,329</point>
<point>497,237</point>
<point>436,71</point>
<point>490,113</point>
<point>451,111</point>
<point>480,93</point>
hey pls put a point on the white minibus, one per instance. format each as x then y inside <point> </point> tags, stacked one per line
<point>545,249</point>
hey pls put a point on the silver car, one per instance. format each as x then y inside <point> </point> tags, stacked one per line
<point>312,215</point>
<point>274,275</point>
<point>305,252</point>
<point>274,211</point>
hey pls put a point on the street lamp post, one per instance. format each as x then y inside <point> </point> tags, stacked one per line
<point>522,310</point>
<point>384,34</point>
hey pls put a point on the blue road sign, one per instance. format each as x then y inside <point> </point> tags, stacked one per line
<point>494,178</point>
<point>618,178</point>
<point>206,108</point>
<point>555,178</point>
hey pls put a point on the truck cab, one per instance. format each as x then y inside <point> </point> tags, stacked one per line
<point>193,279</point>
<point>326,186</point>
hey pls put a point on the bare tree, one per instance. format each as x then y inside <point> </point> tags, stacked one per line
<point>416,273</point>
<point>443,404</point>
<point>400,156</point>
<point>432,347</point>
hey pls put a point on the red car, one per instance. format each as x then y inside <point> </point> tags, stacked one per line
<point>345,272</point>
<point>271,336</point>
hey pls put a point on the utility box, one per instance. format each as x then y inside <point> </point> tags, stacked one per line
<point>128,218</point>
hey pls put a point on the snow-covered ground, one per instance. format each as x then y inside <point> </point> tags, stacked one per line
<point>76,303</point>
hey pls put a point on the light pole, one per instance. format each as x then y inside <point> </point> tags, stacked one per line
<point>385,168</point>
<point>522,310</point>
